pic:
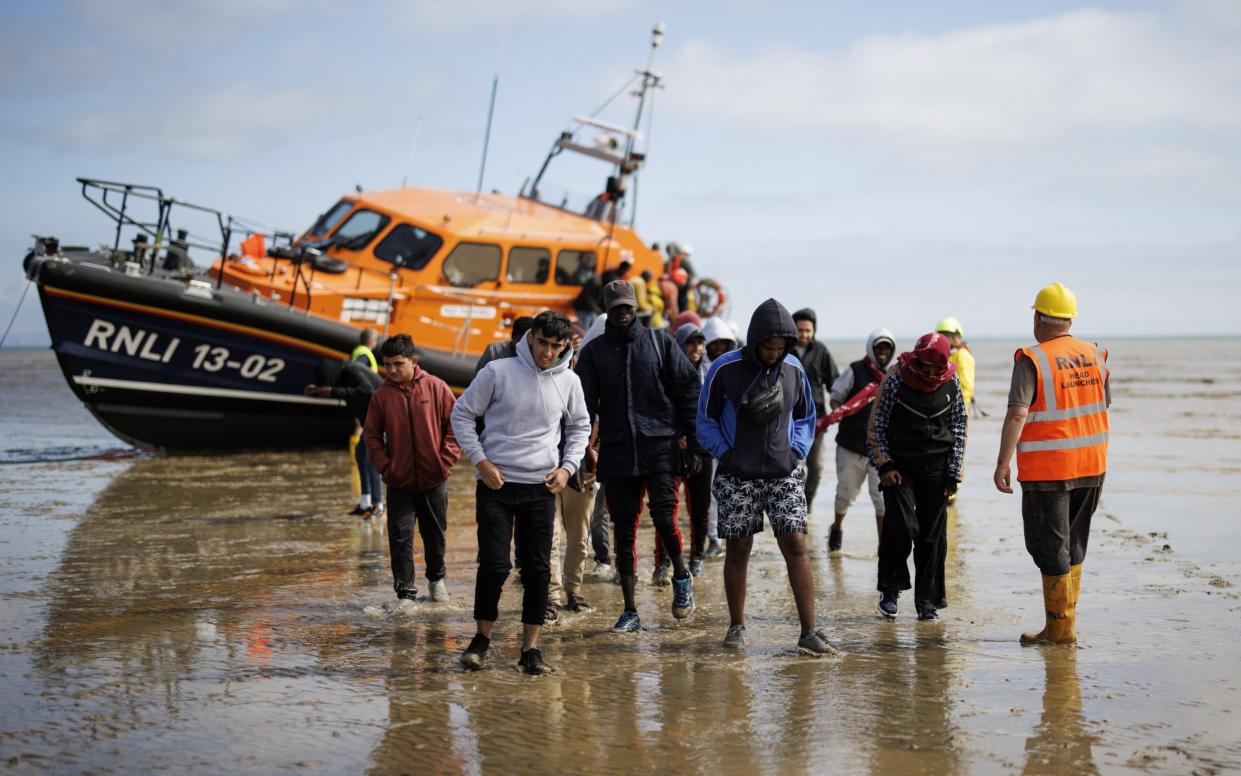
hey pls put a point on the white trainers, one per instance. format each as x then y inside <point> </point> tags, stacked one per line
<point>439,591</point>
<point>603,571</point>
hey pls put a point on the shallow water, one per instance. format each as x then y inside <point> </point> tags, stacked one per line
<point>186,614</point>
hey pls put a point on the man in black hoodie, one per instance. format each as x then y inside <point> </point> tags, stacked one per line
<point>822,371</point>
<point>354,383</point>
<point>642,392</point>
<point>756,416</point>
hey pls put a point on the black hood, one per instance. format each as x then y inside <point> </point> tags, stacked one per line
<point>771,319</point>
<point>327,371</point>
<point>806,313</point>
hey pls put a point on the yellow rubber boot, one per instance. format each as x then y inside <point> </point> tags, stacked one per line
<point>355,477</point>
<point>1061,612</point>
<point>1076,573</point>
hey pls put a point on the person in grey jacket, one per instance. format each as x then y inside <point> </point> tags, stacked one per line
<point>528,403</point>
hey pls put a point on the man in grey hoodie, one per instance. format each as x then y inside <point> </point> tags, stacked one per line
<point>858,385</point>
<point>528,404</point>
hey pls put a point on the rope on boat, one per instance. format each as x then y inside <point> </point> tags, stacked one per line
<point>13,320</point>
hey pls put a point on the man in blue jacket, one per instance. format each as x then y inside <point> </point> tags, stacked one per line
<point>640,388</point>
<point>756,415</point>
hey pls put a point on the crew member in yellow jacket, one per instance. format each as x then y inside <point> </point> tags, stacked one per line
<point>961,356</point>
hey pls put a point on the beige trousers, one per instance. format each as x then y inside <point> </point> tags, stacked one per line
<point>573,511</point>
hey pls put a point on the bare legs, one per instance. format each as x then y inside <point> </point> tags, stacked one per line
<point>797,560</point>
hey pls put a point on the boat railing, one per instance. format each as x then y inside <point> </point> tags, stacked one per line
<point>115,199</point>
<point>122,202</point>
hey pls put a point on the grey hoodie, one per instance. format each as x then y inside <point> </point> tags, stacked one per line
<point>716,329</point>
<point>843,387</point>
<point>524,408</point>
<point>683,335</point>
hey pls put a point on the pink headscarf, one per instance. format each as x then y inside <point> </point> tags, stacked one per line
<point>927,367</point>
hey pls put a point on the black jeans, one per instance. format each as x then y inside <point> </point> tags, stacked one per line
<point>1057,526</point>
<point>624,498</point>
<point>916,512</point>
<point>430,510</point>
<point>529,512</point>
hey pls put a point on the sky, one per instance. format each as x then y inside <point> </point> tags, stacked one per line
<point>885,163</point>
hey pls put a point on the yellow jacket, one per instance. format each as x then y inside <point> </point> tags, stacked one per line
<point>964,360</point>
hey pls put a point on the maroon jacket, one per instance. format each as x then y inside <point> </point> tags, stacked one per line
<point>409,434</point>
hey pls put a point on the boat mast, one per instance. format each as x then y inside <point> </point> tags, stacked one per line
<point>650,80</point>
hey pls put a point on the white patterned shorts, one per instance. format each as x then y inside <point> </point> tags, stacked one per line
<point>742,504</point>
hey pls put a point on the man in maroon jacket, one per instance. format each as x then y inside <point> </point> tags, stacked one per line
<point>410,442</point>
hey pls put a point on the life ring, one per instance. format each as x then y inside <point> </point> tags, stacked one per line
<point>710,296</point>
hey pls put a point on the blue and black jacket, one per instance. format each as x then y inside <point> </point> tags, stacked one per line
<point>744,448</point>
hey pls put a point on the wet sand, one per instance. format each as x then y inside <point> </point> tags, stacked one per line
<point>206,614</point>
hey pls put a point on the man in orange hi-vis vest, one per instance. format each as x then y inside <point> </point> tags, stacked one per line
<point>1057,424</point>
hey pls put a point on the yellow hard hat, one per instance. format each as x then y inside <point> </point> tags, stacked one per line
<point>1057,301</point>
<point>950,326</point>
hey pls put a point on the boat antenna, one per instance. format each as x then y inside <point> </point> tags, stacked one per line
<point>409,162</point>
<point>650,80</point>
<point>491,109</point>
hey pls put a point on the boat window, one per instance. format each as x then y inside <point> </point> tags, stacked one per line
<point>408,246</point>
<point>574,268</point>
<point>360,229</point>
<point>472,263</point>
<point>330,219</point>
<point>528,265</point>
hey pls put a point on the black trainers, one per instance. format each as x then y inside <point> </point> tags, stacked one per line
<point>927,615</point>
<point>475,655</point>
<point>695,567</point>
<point>358,510</point>
<point>887,605</point>
<point>834,539</point>
<point>532,663</point>
<point>407,593</point>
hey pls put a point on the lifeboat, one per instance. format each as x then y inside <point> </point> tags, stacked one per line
<point>174,356</point>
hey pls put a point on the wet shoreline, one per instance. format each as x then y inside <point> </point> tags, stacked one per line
<point>193,613</point>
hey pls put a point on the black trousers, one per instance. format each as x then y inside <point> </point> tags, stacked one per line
<point>625,504</point>
<point>1057,526</point>
<point>601,529</point>
<point>529,513</point>
<point>915,514</point>
<point>430,510</point>
<point>698,504</point>
<point>814,470</point>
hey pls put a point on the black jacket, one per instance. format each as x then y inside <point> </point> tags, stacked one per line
<point>643,392</point>
<point>743,447</point>
<point>821,370</point>
<point>351,381</point>
<point>820,366</point>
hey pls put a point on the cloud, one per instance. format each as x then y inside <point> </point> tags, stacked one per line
<point>216,124</point>
<point>1088,76</point>
<point>493,13</point>
<point>170,25</point>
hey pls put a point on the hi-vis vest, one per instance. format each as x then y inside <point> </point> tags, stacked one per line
<point>1065,435</point>
<point>370,357</point>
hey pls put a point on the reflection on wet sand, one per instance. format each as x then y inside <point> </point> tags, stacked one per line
<point>201,601</point>
<point>1060,743</point>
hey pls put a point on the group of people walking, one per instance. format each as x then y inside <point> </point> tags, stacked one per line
<point>646,413</point>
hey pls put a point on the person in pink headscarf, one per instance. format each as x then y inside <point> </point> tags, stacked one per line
<point>916,440</point>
